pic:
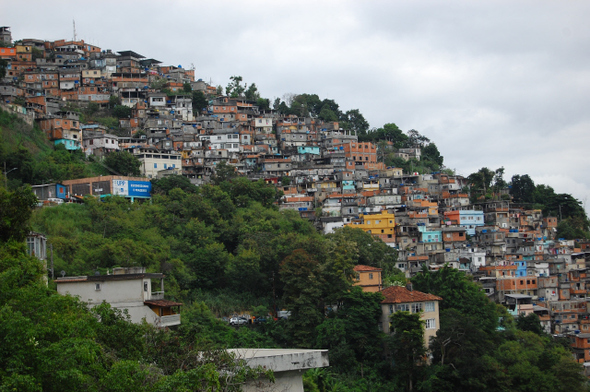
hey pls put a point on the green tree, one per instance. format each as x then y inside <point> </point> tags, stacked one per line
<point>123,163</point>
<point>15,211</point>
<point>235,88</point>
<point>166,184</point>
<point>223,172</point>
<point>355,121</point>
<point>121,111</point>
<point>301,275</point>
<point>460,293</point>
<point>199,102</point>
<point>252,93</point>
<point>114,100</point>
<point>407,348</point>
<point>351,331</point>
<point>91,109</point>
<point>263,104</point>
<point>430,152</point>
<point>481,181</point>
<point>416,140</point>
<point>530,323</point>
<point>522,189</point>
<point>371,250</point>
<point>326,114</point>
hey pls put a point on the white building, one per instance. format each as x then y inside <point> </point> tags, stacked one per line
<point>127,289</point>
<point>226,141</point>
<point>154,160</point>
<point>101,144</point>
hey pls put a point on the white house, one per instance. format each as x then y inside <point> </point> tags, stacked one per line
<point>127,289</point>
<point>100,144</point>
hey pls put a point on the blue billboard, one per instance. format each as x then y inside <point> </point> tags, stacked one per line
<point>132,188</point>
<point>140,188</point>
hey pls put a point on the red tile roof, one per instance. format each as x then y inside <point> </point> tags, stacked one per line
<point>399,294</point>
<point>361,267</point>
<point>163,303</point>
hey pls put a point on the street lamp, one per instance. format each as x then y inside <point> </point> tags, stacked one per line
<point>6,173</point>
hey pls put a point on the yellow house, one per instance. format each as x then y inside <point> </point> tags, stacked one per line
<point>380,225</point>
<point>368,278</point>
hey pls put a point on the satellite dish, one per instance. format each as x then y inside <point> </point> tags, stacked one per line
<point>63,273</point>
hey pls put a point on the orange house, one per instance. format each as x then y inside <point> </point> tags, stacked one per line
<point>7,53</point>
<point>580,344</point>
<point>454,234</point>
<point>368,278</point>
<point>362,154</point>
<point>523,283</point>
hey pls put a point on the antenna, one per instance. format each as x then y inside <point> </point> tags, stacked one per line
<point>74,21</point>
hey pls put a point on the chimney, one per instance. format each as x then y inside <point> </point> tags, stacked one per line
<point>409,286</point>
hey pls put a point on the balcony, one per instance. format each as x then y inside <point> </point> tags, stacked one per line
<point>168,321</point>
<point>157,295</point>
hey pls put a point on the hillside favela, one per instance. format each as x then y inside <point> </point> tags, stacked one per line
<point>162,233</point>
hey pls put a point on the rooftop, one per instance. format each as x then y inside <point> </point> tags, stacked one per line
<point>399,294</point>
<point>361,267</point>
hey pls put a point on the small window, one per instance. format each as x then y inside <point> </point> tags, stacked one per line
<point>97,287</point>
<point>429,307</point>
<point>371,275</point>
<point>430,324</point>
<point>145,286</point>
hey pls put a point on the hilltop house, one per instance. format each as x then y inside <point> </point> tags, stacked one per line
<point>127,289</point>
<point>398,298</point>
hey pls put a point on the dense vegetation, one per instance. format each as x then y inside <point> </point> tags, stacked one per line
<point>50,342</point>
<point>225,249</point>
<point>226,246</point>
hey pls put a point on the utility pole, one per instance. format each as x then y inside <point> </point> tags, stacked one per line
<point>52,269</point>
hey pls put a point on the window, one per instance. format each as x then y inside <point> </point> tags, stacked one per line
<point>97,287</point>
<point>429,307</point>
<point>391,310</point>
<point>417,307</point>
<point>145,286</point>
<point>430,323</point>
<point>155,165</point>
<point>371,275</point>
<point>403,308</point>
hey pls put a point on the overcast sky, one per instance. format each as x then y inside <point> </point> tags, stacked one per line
<point>492,83</point>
